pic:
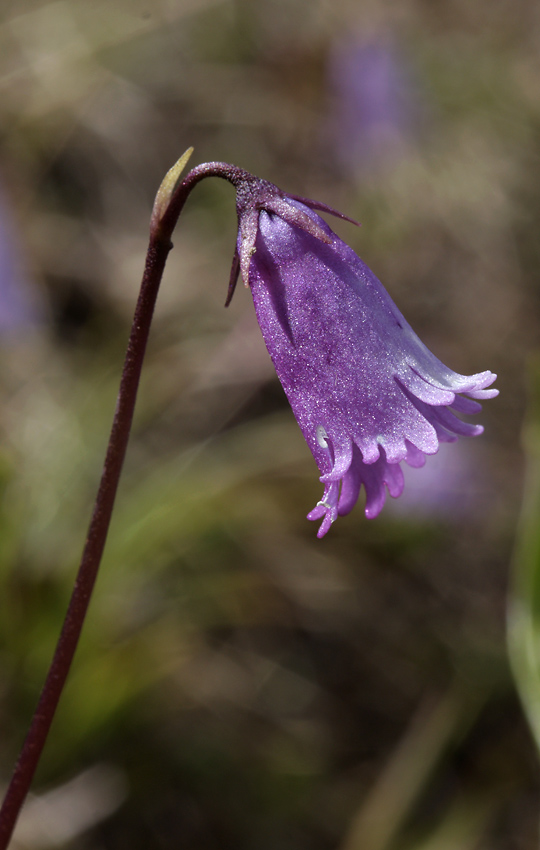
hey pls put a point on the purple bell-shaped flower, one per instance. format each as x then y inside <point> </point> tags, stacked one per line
<point>365,390</point>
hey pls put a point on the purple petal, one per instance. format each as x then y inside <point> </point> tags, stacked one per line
<point>365,390</point>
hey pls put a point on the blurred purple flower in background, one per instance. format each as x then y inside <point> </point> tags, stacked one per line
<point>375,103</point>
<point>365,390</point>
<point>20,306</point>
<point>454,484</point>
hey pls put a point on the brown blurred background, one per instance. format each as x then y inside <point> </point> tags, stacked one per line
<point>241,684</point>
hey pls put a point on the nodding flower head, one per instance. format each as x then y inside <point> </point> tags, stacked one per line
<point>365,390</point>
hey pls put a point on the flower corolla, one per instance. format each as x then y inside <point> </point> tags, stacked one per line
<point>365,390</point>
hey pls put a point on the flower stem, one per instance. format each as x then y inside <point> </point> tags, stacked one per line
<point>164,219</point>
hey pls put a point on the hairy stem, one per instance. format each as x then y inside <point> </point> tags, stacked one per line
<point>162,226</point>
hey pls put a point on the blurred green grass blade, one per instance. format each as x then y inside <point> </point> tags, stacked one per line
<point>524,602</point>
<point>380,820</point>
<point>464,824</point>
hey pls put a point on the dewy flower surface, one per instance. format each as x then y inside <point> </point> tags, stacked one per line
<point>365,390</point>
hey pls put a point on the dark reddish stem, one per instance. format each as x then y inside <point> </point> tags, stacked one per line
<point>158,250</point>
